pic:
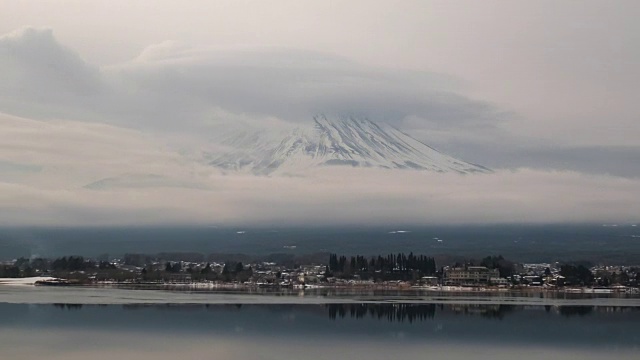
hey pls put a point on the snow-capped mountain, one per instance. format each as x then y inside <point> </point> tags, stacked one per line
<point>332,142</point>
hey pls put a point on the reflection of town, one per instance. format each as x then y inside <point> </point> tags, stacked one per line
<point>403,312</point>
<point>389,312</point>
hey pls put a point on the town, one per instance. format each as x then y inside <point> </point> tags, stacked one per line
<point>391,271</point>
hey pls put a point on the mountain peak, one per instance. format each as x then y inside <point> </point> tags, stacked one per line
<point>334,141</point>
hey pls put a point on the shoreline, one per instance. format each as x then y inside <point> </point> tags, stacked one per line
<point>204,286</point>
<point>345,288</point>
<point>172,296</point>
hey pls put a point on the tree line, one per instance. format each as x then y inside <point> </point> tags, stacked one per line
<point>232,271</point>
<point>399,266</point>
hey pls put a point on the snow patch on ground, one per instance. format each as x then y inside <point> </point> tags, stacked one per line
<point>23,281</point>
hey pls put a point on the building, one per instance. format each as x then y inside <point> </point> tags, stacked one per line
<point>429,280</point>
<point>500,282</point>
<point>470,275</point>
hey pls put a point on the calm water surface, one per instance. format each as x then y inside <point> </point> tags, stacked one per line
<point>317,331</point>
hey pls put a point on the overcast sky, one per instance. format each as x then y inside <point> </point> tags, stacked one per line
<point>94,95</point>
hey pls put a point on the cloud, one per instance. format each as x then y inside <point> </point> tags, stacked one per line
<point>523,196</point>
<point>68,154</point>
<point>613,160</point>
<point>142,181</point>
<point>294,85</point>
<point>172,88</point>
<point>41,77</point>
<point>169,86</point>
<point>197,92</point>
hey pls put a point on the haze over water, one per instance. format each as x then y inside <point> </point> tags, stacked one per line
<point>527,243</point>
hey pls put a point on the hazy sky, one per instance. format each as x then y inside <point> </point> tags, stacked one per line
<point>102,91</point>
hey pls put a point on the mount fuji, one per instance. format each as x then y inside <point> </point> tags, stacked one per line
<point>342,141</point>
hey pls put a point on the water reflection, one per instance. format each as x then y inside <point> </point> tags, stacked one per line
<point>417,325</point>
<point>389,312</point>
<point>68,306</point>
<point>420,312</point>
<point>375,294</point>
<point>577,310</point>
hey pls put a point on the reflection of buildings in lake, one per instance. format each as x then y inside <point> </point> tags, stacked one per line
<point>412,312</point>
<point>384,312</point>
<point>496,311</point>
<point>575,310</point>
<point>473,308</point>
<point>470,275</point>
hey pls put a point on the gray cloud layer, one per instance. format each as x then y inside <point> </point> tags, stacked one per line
<point>170,87</point>
<point>174,88</point>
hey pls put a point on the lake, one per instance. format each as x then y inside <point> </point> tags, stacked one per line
<point>122,325</point>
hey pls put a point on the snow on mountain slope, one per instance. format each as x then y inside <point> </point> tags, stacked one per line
<point>331,142</point>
